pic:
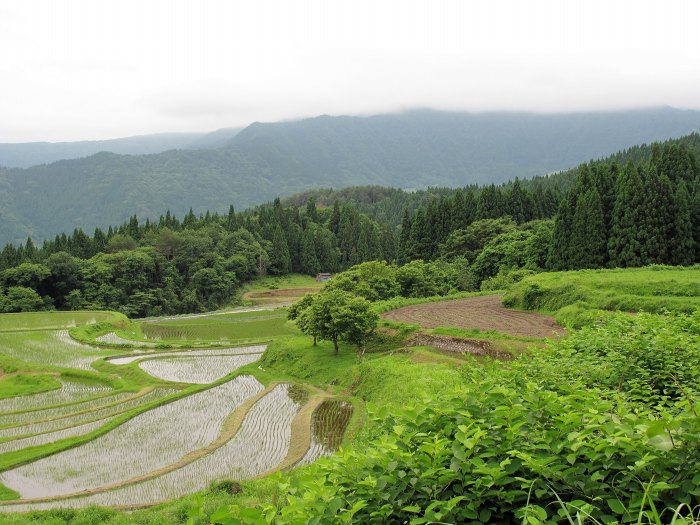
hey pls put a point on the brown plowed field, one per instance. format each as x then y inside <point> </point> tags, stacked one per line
<point>484,313</point>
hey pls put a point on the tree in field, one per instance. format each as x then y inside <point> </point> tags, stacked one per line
<point>335,315</point>
<point>373,280</point>
<point>294,314</point>
<point>21,299</point>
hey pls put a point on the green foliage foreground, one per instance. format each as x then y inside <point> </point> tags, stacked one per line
<point>587,430</point>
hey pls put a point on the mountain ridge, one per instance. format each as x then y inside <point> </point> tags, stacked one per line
<point>416,149</point>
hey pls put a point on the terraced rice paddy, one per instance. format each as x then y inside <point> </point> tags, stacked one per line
<point>328,426</point>
<point>204,369</point>
<point>50,348</point>
<point>52,321</point>
<point>61,410</point>
<point>261,443</point>
<point>236,350</point>
<point>234,430</point>
<point>221,327</point>
<point>113,339</point>
<point>70,392</point>
<point>147,442</point>
<point>71,418</point>
<point>50,437</point>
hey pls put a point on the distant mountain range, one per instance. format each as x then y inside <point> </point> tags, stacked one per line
<point>416,149</point>
<point>26,154</point>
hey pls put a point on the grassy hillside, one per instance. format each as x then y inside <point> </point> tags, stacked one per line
<point>569,295</point>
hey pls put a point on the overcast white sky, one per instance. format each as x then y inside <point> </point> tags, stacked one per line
<point>95,69</point>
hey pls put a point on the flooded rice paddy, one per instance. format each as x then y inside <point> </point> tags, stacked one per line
<point>190,436</point>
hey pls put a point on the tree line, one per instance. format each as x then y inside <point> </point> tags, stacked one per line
<point>185,265</point>
<point>641,213</point>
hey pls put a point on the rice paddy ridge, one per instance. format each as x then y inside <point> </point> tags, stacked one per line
<point>228,311</point>
<point>163,344</point>
<point>301,430</point>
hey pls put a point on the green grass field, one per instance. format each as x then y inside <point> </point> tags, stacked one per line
<point>573,296</point>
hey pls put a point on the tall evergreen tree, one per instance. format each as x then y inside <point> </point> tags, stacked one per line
<point>656,233</point>
<point>489,203</point>
<point>559,253</point>
<point>406,247</point>
<point>604,176</point>
<point>517,205</point>
<point>418,237</point>
<point>695,218</point>
<point>231,222</point>
<point>363,251</point>
<point>625,242</point>
<point>280,260</point>
<point>459,211</point>
<point>683,244</point>
<point>588,240</point>
<point>311,211</point>
<point>309,260</point>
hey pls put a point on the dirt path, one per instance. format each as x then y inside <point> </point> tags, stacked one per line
<point>483,313</point>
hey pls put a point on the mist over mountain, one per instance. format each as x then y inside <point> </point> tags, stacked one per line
<point>416,149</point>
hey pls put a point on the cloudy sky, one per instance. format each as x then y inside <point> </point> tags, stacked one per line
<point>94,69</point>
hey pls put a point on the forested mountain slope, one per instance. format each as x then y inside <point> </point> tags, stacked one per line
<point>410,150</point>
<point>387,205</point>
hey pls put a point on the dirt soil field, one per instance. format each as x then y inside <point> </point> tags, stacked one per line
<point>483,313</point>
